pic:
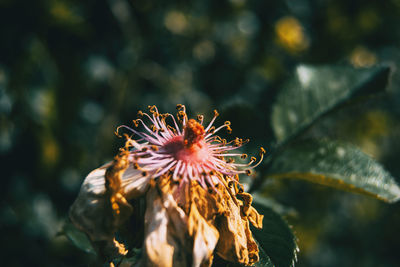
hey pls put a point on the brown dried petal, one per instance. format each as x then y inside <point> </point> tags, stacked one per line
<point>164,243</point>
<point>98,211</point>
<point>91,211</point>
<point>205,238</point>
<point>252,247</point>
<point>236,242</point>
<point>232,245</point>
<point>255,218</point>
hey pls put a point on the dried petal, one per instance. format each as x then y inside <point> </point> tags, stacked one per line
<point>232,245</point>
<point>101,206</point>
<point>163,243</point>
<point>91,205</point>
<point>205,237</point>
<point>255,218</point>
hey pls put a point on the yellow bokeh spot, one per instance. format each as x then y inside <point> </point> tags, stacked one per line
<point>63,13</point>
<point>362,57</point>
<point>291,35</point>
<point>50,151</point>
<point>368,19</point>
<point>175,22</point>
<point>204,51</point>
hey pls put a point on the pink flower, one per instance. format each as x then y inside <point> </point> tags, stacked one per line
<point>188,181</point>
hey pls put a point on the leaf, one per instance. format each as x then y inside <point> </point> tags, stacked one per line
<point>264,260</point>
<point>274,205</point>
<point>276,240</point>
<point>77,237</point>
<point>335,164</point>
<point>316,90</point>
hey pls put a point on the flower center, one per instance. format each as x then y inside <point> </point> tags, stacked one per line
<point>194,133</point>
<point>190,147</point>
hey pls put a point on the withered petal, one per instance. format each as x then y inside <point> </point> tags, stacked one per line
<point>164,243</point>
<point>92,211</point>
<point>205,238</point>
<point>232,245</point>
<point>255,218</point>
<point>236,242</point>
<point>252,246</point>
<point>134,183</point>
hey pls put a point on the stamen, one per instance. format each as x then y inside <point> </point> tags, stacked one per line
<point>200,118</point>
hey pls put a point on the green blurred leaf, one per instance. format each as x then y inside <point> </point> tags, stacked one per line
<point>274,205</point>
<point>77,237</point>
<point>317,90</point>
<point>335,164</point>
<point>264,260</point>
<point>276,241</point>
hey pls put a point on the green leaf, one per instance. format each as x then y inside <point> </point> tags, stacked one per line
<point>316,90</point>
<point>335,164</point>
<point>77,237</point>
<point>274,205</point>
<point>264,260</point>
<point>277,243</point>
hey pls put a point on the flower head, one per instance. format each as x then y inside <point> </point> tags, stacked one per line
<point>188,180</point>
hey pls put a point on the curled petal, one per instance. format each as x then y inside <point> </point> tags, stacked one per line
<point>255,218</point>
<point>205,237</point>
<point>164,243</point>
<point>236,242</point>
<point>232,245</point>
<point>91,211</point>
<point>134,184</point>
<point>102,206</point>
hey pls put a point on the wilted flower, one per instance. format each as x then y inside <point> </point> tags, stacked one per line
<point>173,191</point>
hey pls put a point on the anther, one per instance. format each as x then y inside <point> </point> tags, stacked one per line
<point>140,114</point>
<point>154,148</point>
<point>248,172</point>
<point>200,118</point>
<point>144,173</point>
<point>216,114</point>
<point>243,156</point>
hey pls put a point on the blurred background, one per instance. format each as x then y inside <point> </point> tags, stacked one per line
<point>72,71</point>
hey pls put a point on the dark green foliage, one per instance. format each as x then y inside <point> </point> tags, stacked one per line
<point>316,90</point>
<point>276,239</point>
<point>335,164</point>
<point>77,237</point>
<point>71,71</point>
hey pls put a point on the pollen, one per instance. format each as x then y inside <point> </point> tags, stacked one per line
<point>194,133</point>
